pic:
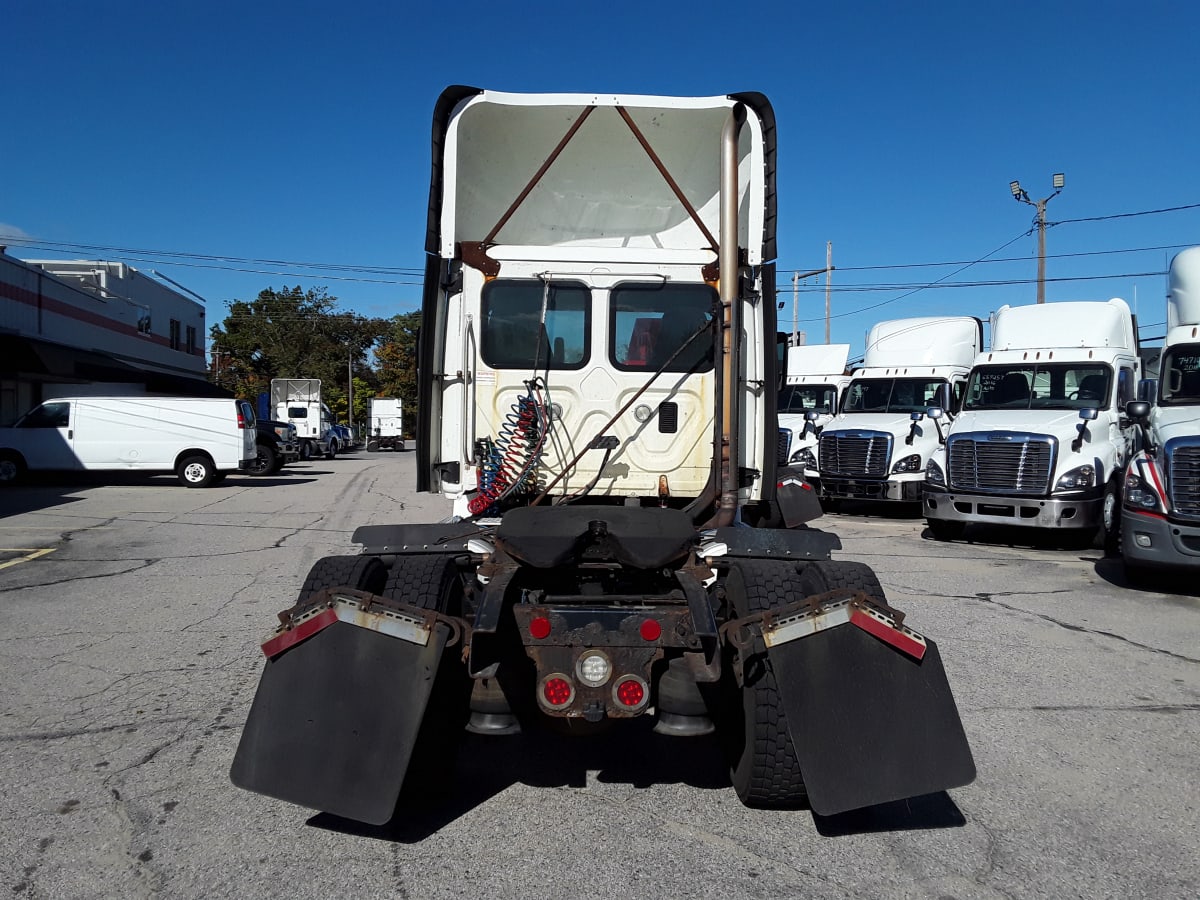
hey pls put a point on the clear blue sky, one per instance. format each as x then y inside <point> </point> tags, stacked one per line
<point>300,132</point>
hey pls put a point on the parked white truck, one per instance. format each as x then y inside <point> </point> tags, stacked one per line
<point>597,378</point>
<point>1160,525</point>
<point>816,380</point>
<point>200,439</point>
<point>385,424</point>
<point>1042,438</point>
<point>877,446</point>
<point>298,400</point>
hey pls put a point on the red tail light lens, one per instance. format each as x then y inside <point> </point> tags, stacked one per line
<point>630,692</point>
<point>651,630</point>
<point>539,627</point>
<point>557,691</point>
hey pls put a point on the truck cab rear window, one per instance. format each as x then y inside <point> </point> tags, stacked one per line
<point>511,333</point>
<point>297,412</point>
<point>649,322</point>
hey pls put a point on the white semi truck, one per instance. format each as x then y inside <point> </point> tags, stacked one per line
<point>1160,526</point>
<point>298,400</point>
<point>597,378</point>
<point>1043,438</point>
<point>385,424</point>
<point>877,446</point>
<point>816,380</point>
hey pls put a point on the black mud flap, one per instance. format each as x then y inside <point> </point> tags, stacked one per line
<point>335,720</point>
<point>870,724</point>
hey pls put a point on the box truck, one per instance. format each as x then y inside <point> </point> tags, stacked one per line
<point>1160,523</point>
<point>1043,438</point>
<point>201,440</point>
<point>298,400</point>
<point>385,424</point>
<point>877,446</point>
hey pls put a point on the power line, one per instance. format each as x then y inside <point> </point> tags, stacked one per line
<point>866,287</point>
<point>1008,259</point>
<point>1146,212</point>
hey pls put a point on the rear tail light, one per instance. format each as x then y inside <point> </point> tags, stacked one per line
<point>651,630</point>
<point>241,420</point>
<point>631,692</point>
<point>557,691</point>
<point>539,628</point>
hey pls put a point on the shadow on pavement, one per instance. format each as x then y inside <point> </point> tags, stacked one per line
<point>917,813</point>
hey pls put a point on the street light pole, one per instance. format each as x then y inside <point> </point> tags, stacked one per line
<point>1021,196</point>
<point>797,277</point>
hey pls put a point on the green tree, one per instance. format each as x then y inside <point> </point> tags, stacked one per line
<point>292,333</point>
<point>396,358</point>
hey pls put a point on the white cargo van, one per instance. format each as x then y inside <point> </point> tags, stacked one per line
<point>199,439</point>
<point>877,446</point>
<point>1042,439</point>
<point>816,380</point>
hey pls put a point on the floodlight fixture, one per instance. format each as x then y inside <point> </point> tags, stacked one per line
<point>1015,187</point>
<point>1059,181</point>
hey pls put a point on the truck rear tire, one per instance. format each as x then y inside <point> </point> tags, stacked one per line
<point>331,449</point>
<point>196,471</point>
<point>361,573</point>
<point>762,758</point>
<point>433,582</point>
<point>372,446</point>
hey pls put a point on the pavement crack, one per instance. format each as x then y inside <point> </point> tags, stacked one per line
<point>1098,632</point>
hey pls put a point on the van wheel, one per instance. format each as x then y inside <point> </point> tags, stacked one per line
<point>12,468</point>
<point>196,471</point>
<point>266,461</point>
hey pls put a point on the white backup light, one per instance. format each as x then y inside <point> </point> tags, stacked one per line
<point>594,669</point>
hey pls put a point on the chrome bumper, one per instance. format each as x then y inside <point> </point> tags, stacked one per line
<point>1029,512</point>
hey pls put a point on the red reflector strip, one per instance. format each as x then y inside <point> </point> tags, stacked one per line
<point>285,639</point>
<point>904,641</point>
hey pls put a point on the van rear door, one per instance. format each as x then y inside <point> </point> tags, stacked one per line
<point>249,430</point>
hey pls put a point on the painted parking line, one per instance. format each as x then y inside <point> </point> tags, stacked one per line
<point>31,553</point>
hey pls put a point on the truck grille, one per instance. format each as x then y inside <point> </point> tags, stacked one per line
<point>855,454</point>
<point>1009,463</point>
<point>783,451</point>
<point>1183,463</point>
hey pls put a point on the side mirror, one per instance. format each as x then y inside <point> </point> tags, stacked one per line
<point>935,412</point>
<point>811,415</point>
<point>916,416</point>
<point>1138,410</point>
<point>1088,414</point>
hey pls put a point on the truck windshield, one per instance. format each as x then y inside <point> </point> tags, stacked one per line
<point>1179,382</point>
<point>893,395</point>
<point>1040,386</point>
<point>800,398</point>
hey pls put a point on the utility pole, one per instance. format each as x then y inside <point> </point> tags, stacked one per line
<point>797,277</point>
<point>795,306</point>
<point>828,272</point>
<point>1021,196</point>
<point>350,387</point>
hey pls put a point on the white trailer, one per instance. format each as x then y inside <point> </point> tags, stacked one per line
<point>385,424</point>
<point>816,380</point>
<point>1160,525</point>
<point>200,439</point>
<point>1042,438</point>
<point>298,400</point>
<point>877,446</point>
